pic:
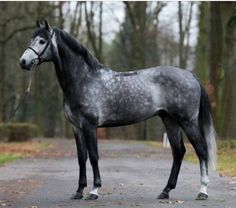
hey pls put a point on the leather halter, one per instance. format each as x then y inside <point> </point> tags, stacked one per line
<point>45,48</point>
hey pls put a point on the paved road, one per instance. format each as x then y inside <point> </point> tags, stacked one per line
<point>133,175</point>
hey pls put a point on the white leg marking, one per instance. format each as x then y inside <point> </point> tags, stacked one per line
<point>204,179</point>
<point>94,191</point>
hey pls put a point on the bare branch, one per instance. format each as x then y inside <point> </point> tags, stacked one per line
<point>130,12</point>
<point>89,29</point>
<point>187,30</point>
<point>73,22</point>
<point>7,21</point>
<point>187,27</point>
<point>16,31</point>
<point>159,7</point>
<point>100,28</point>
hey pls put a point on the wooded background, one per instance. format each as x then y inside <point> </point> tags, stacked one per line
<point>196,36</point>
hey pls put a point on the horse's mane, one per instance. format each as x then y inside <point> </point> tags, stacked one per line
<point>79,49</point>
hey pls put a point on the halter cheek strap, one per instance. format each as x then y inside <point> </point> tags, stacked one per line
<point>45,48</point>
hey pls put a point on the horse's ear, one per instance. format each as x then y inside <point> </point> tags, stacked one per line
<point>47,26</point>
<point>38,24</point>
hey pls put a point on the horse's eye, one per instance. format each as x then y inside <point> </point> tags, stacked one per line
<point>42,41</point>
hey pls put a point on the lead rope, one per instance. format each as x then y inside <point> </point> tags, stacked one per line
<point>22,98</point>
<point>30,80</point>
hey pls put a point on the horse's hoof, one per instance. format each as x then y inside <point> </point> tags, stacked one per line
<point>77,195</point>
<point>163,195</point>
<point>92,197</point>
<point>202,196</point>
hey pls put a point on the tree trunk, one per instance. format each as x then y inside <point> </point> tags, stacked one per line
<point>2,80</point>
<point>227,108</point>
<point>184,34</point>
<point>202,46</point>
<point>3,6</point>
<point>216,46</point>
<point>181,36</point>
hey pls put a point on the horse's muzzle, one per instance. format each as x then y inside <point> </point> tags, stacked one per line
<point>24,64</point>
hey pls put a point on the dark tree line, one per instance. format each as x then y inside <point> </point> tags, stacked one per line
<point>216,61</point>
<point>141,41</point>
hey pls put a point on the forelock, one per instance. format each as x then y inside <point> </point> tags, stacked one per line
<point>42,32</point>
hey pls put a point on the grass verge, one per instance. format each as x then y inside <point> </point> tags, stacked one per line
<point>5,158</point>
<point>226,152</point>
<point>226,164</point>
<point>17,150</point>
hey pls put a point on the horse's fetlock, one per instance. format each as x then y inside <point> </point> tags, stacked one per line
<point>98,183</point>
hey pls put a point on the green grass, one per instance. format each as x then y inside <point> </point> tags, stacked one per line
<point>153,144</point>
<point>44,145</point>
<point>17,150</point>
<point>5,158</point>
<point>226,152</point>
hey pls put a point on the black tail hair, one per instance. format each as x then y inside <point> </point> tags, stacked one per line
<point>207,127</point>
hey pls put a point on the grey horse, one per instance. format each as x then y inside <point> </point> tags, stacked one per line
<point>96,96</point>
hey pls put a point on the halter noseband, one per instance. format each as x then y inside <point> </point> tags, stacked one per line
<point>45,48</point>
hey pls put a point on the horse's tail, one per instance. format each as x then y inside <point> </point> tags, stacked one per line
<point>207,128</point>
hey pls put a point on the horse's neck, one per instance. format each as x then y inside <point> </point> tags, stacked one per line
<point>70,69</point>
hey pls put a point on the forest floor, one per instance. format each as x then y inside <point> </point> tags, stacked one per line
<point>133,174</point>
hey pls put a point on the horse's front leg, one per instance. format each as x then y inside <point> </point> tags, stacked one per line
<point>82,158</point>
<point>92,145</point>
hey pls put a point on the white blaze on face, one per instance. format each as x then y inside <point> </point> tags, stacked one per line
<point>38,45</point>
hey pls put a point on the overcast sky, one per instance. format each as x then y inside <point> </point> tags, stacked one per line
<point>113,16</point>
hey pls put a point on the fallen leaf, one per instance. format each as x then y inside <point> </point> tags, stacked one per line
<point>180,202</point>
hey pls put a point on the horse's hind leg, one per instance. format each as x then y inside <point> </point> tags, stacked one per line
<point>199,143</point>
<point>178,151</point>
<point>82,158</point>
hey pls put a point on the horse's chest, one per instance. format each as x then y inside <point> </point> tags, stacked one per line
<point>68,114</point>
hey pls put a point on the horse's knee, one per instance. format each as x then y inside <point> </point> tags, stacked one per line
<point>94,160</point>
<point>93,157</point>
<point>82,159</point>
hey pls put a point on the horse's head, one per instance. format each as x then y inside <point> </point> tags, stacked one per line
<point>39,49</point>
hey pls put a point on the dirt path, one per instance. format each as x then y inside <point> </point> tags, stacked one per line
<point>133,175</point>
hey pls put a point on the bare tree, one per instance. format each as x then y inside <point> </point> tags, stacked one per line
<point>202,42</point>
<point>76,19</point>
<point>95,38</point>
<point>184,34</point>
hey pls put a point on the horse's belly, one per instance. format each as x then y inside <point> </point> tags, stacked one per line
<point>122,121</point>
<point>130,104</point>
<point>124,113</point>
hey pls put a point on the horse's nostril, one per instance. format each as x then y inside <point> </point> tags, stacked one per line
<point>22,62</point>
